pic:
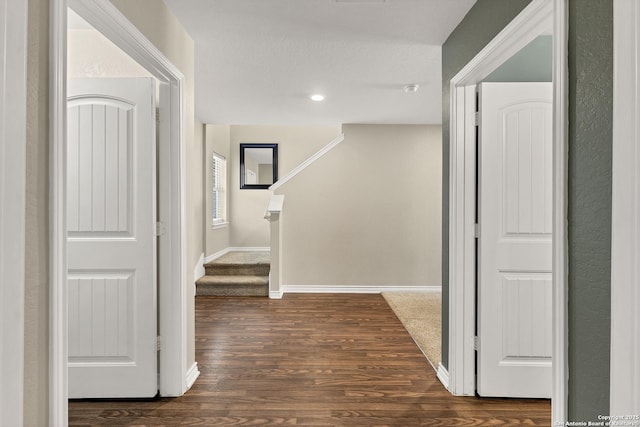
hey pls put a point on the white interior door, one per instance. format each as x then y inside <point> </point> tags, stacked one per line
<point>514,259</point>
<point>111,238</point>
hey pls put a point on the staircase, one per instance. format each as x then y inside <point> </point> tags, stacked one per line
<point>236,274</point>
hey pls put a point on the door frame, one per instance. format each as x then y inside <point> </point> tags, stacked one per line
<point>538,17</point>
<point>625,204</point>
<point>172,289</point>
<point>13,134</point>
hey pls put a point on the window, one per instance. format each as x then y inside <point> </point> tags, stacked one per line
<point>219,190</point>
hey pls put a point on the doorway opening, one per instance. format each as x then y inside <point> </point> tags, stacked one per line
<point>173,377</point>
<point>539,18</point>
<point>111,210</point>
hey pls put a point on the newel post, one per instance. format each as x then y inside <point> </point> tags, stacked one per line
<point>274,216</point>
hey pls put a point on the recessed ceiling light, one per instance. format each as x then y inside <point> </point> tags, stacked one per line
<point>317,97</point>
<point>411,88</point>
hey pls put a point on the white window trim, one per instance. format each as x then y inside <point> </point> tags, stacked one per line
<point>221,222</point>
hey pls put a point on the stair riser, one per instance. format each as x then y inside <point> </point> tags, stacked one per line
<point>237,270</point>
<point>232,290</point>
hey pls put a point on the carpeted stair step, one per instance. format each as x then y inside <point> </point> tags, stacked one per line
<point>237,273</point>
<point>216,268</point>
<point>236,263</point>
<point>234,285</point>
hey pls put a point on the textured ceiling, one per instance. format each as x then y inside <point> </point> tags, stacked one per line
<point>258,61</point>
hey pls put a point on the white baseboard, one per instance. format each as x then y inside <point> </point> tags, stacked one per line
<point>198,272</point>
<point>192,374</point>
<point>250,249</point>
<point>276,294</point>
<point>443,376</point>
<point>218,254</point>
<point>358,289</point>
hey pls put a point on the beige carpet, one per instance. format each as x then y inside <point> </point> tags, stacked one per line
<point>420,313</point>
<point>242,257</point>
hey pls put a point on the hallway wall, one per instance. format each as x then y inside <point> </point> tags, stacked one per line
<point>368,212</point>
<point>216,140</point>
<point>245,208</point>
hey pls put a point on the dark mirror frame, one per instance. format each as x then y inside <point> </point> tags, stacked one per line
<point>274,158</point>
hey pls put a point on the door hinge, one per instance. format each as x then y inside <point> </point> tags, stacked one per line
<point>476,118</point>
<point>161,228</point>
<point>158,343</point>
<point>157,115</point>
<point>476,343</point>
<point>476,231</point>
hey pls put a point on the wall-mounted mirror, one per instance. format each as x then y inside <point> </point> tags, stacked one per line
<point>258,166</point>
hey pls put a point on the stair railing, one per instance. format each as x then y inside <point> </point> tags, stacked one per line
<point>302,166</point>
<point>273,214</point>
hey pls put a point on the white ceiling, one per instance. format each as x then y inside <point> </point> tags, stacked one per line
<point>258,61</point>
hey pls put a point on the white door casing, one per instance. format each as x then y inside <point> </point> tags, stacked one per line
<point>13,142</point>
<point>111,216</point>
<point>514,258</point>
<point>625,221</point>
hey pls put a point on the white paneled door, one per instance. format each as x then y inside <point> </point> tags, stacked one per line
<point>514,258</point>
<point>111,218</point>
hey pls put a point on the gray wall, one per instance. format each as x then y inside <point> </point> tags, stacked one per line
<point>485,19</point>
<point>589,187</point>
<point>533,63</point>
<point>590,141</point>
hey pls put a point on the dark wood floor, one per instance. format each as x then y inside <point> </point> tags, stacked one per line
<point>309,360</point>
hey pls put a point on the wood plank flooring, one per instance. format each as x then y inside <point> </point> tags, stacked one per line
<point>309,360</point>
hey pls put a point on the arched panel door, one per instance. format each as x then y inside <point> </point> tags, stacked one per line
<point>111,217</point>
<point>514,250</point>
